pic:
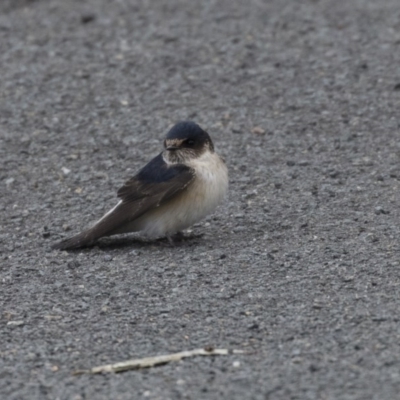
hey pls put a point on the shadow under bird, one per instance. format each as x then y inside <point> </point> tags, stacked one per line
<point>180,186</point>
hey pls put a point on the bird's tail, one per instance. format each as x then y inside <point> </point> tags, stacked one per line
<point>110,224</point>
<point>83,239</point>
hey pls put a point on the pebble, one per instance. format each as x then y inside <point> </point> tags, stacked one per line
<point>333,174</point>
<point>258,130</point>
<point>251,194</point>
<point>380,210</point>
<point>15,323</point>
<point>303,163</point>
<point>73,264</point>
<point>236,130</point>
<point>371,238</point>
<point>87,17</point>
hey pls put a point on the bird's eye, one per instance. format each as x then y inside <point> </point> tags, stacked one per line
<point>190,142</point>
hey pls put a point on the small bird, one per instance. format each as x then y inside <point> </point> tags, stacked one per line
<point>180,186</point>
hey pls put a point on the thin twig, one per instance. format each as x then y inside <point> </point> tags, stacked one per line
<point>149,362</point>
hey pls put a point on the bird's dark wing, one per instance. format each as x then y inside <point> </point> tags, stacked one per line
<point>155,184</point>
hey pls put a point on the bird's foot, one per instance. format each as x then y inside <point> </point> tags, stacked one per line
<point>180,237</point>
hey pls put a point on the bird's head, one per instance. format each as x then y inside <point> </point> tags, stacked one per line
<point>185,141</point>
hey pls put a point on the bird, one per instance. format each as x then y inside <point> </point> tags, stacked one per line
<point>176,189</point>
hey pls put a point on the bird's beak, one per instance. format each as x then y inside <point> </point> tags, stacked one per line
<point>172,148</point>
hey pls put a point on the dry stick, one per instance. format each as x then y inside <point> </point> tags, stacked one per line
<point>148,362</point>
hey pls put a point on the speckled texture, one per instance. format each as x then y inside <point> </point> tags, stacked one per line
<point>300,266</point>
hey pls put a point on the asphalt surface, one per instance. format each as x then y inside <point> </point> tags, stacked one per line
<point>299,267</point>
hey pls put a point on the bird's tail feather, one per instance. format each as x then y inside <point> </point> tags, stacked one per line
<point>83,239</point>
<point>110,224</point>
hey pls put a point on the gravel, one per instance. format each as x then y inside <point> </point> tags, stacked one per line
<point>299,267</point>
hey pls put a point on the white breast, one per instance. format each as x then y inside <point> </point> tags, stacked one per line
<point>194,203</point>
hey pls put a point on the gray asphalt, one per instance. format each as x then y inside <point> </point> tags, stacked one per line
<point>299,267</point>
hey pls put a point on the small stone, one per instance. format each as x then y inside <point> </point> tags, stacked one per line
<point>380,210</point>
<point>258,130</point>
<point>65,170</point>
<point>290,163</point>
<point>73,264</point>
<point>333,174</point>
<point>314,190</point>
<point>87,17</point>
<point>9,181</point>
<point>372,238</point>
<point>236,364</point>
<point>250,194</point>
<point>83,75</point>
<point>297,360</point>
<point>317,304</point>
<point>303,163</point>
<point>107,257</point>
<point>15,323</point>
<point>397,86</point>
<point>104,309</point>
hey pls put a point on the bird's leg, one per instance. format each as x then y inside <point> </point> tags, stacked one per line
<point>175,238</point>
<point>180,237</point>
